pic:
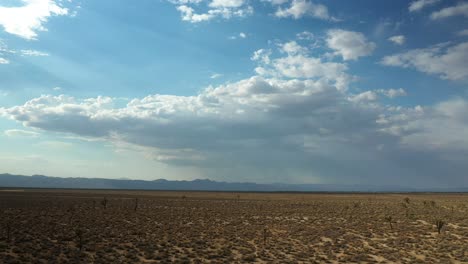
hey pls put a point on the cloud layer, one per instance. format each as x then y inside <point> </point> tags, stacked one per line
<point>299,119</point>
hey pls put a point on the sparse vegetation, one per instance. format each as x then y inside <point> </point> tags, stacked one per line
<point>217,228</point>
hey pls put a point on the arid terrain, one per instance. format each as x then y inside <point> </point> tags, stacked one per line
<point>78,226</point>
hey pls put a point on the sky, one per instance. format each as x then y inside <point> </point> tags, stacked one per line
<point>269,91</point>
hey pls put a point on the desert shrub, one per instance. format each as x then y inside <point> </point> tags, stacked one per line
<point>389,219</point>
<point>439,224</point>
<point>104,203</point>
<point>79,233</point>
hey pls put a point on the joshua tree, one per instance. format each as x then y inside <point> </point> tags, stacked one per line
<point>389,219</point>
<point>265,235</point>
<point>407,200</point>
<point>8,229</point>
<point>439,224</point>
<point>79,234</point>
<point>136,204</point>
<point>104,203</point>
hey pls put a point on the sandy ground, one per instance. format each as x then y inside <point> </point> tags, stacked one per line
<point>50,226</point>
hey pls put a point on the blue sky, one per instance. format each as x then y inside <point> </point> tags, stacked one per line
<point>300,91</point>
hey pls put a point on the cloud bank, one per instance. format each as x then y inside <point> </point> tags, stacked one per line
<point>297,118</point>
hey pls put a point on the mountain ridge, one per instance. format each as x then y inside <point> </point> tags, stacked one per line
<point>41,181</point>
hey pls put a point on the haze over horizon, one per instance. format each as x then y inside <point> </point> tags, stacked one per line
<point>288,91</point>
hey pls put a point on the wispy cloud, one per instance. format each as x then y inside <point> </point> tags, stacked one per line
<point>421,4</point>
<point>444,60</point>
<point>20,133</point>
<point>461,9</point>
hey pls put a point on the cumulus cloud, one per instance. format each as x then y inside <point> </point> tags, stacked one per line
<point>302,8</point>
<point>349,44</point>
<point>444,60</point>
<point>4,61</point>
<point>461,9</point>
<point>420,4</point>
<point>399,39</point>
<point>297,63</point>
<point>442,128</point>
<point>307,125</point>
<point>26,20</point>
<point>217,8</point>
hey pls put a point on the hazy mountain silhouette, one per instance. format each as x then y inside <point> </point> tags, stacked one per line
<point>41,181</point>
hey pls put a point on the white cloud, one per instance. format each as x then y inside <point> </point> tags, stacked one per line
<point>25,21</point>
<point>34,53</point>
<point>224,9</point>
<point>305,35</point>
<point>189,15</point>
<point>226,3</point>
<point>276,2</point>
<point>292,48</point>
<point>301,8</point>
<point>298,64</point>
<point>365,96</point>
<point>262,55</point>
<point>4,61</point>
<point>241,35</point>
<point>20,133</point>
<point>57,88</point>
<point>216,75</point>
<point>393,93</point>
<point>399,40</point>
<point>420,4</point>
<point>349,44</point>
<point>461,9</point>
<point>448,62</point>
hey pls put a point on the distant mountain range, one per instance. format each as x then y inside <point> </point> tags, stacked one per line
<point>41,181</point>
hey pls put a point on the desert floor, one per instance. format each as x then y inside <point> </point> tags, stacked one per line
<point>78,226</point>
